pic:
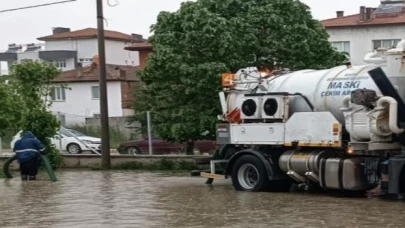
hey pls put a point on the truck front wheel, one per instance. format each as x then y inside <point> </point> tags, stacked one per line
<point>249,174</point>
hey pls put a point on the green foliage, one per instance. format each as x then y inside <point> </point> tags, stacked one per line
<point>1,172</point>
<point>12,108</point>
<point>116,135</point>
<point>6,139</point>
<point>31,84</point>
<point>205,38</point>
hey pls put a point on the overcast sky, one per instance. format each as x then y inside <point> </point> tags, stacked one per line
<point>130,16</point>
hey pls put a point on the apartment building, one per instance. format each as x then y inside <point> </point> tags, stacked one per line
<point>68,49</point>
<point>371,28</point>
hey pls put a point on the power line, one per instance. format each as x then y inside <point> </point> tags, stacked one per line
<point>35,6</point>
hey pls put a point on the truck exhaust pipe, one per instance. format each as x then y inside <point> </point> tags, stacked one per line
<point>387,89</point>
<point>393,110</point>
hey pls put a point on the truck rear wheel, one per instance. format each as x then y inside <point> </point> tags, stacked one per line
<point>249,174</point>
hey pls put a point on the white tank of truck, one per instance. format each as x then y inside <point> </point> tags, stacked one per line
<point>309,126</point>
<point>325,89</point>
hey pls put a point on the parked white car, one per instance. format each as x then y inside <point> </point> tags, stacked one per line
<point>71,141</point>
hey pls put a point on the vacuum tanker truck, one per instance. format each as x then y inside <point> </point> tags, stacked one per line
<point>333,129</point>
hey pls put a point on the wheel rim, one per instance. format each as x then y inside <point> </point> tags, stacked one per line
<point>74,149</point>
<point>132,151</point>
<point>248,176</point>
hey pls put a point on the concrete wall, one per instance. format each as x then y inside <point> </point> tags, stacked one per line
<point>361,38</point>
<point>117,123</point>
<point>115,54</point>
<point>87,48</point>
<point>79,103</point>
<point>85,161</point>
<point>70,64</point>
<point>34,55</point>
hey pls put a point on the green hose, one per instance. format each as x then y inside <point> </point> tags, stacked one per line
<point>44,159</point>
<point>6,166</point>
<point>48,168</point>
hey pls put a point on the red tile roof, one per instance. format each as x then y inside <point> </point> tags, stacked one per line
<point>354,21</point>
<point>85,74</point>
<point>144,46</point>
<point>87,34</point>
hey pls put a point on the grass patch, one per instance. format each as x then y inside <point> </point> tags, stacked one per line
<point>163,165</point>
<point>116,135</point>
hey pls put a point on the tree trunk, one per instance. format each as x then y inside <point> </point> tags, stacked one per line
<point>190,148</point>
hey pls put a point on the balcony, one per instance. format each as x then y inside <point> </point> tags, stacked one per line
<point>8,56</point>
<point>58,54</point>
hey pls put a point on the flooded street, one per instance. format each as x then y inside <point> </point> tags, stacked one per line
<point>130,199</point>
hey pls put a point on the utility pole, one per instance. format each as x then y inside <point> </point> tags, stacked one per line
<point>105,137</point>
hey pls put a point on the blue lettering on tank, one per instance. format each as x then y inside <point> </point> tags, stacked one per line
<point>340,88</point>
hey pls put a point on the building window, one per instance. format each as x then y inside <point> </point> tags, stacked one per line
<point>385,43</point>
<point>85,60</point>
<point>95,92</point>
<point>58,63</point>
<point>343,46</point>
<point>58,94</point>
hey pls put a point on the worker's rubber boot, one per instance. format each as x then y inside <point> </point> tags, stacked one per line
<point>33,177</point>
<point>24,177</point>
<point>376,192</point>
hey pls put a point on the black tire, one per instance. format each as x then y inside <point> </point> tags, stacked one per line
<point>133,150</point>
<point>73,148</point>
<point>243,174</point>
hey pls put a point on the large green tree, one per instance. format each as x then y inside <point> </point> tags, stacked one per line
<point>205,38</point>
<point>24,105</point>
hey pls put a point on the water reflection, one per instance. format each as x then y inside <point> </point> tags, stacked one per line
<point>130,199</point>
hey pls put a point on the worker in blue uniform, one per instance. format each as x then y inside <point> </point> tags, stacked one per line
<point>28,150</point>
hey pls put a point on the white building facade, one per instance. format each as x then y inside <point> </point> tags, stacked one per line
<point>363,33</point>
<point>71,49</point>
<point>82,100</point>
<point>75,94</point>
<point>73,52</point>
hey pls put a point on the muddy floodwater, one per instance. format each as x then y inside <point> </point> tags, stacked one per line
<point>132,199</point>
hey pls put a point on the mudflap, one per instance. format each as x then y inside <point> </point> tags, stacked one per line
<point>396,175</point>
